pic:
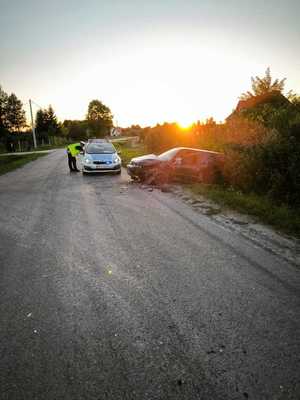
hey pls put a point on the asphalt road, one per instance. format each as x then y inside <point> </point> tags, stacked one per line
<point>22,153</point>
<point>108,291</point>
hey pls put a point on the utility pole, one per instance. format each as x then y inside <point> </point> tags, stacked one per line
<point>32,125</point>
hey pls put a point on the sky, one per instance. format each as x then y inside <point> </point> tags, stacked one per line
<point>149,61</point>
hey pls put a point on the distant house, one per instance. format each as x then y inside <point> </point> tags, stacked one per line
<point>274,98</point>
<point>115,132</point>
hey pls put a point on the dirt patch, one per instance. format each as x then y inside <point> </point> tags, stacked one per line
<point>247,226</point>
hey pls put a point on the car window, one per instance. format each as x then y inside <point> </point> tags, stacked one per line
<point>168,155</point>
<point>100,148</point>
<point>191,159</point>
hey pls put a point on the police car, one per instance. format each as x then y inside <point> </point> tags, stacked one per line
<point>100,156</point>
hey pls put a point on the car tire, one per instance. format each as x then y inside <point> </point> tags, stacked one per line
<point>160,178</point>
<point>148,179</point>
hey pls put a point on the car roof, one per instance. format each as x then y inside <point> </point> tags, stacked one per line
<point>100,145</point>
<point>196,150</point>
<point>98,141</point>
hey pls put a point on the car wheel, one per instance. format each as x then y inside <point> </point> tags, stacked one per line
<point>160,178</point>
<point>149,178</point>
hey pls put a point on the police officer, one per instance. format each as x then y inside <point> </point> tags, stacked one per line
<point>72,151</point>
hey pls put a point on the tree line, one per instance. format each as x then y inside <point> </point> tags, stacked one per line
<point>16,134</point>
<point>261,137</point>
<point>98,122</point>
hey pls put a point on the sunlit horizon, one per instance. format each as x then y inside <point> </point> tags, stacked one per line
<point>177,61</point>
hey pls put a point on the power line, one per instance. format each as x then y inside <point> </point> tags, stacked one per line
<point>43,108</point>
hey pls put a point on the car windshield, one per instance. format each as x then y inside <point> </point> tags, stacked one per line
<point>100,148</point>
<point>168,155</point>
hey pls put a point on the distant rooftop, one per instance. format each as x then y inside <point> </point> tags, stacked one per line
<point>275,98</point>
<point>271,97</point>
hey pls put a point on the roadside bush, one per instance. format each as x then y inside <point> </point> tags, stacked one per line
<point>240,168</point>
<point>281,174</point>
<point>271,167</point>
<point>244,131</point>
<point>163,137</point>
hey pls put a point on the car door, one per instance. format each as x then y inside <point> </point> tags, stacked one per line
<point>80,158</point>
<point>188,167</point>
<point>207,167</point>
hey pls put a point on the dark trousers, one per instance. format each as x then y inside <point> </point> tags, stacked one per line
<point>72,162</point>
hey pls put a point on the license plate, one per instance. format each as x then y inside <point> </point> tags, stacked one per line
<point>101,166</point>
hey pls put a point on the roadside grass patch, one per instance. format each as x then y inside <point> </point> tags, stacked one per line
<point>128,152</point>
<point>282,217</point>
<point>10,163</point>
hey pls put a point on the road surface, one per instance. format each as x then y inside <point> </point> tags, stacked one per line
<point>23,153</point>
<point>108,291</point>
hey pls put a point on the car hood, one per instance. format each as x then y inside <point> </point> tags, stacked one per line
<point>101,157</point>
<point>146,158</point>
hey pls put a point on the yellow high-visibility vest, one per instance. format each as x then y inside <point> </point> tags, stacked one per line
<point>72,149</point>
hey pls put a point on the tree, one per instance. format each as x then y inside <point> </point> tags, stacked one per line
<point>51,119</point>
<point>15,115</point>
<point>294,98</point>
<point>264,85</point>
<point>3,123</point>
<point>210,121</point>
<point>75,130</point>
<point>46,123</point>
<point>3,106</point>
<point>99,117</point>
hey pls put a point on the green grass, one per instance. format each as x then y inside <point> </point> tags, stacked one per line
<point>281,217</point>
<point>39,148</point>
<point>9,163</point>
<point>127,152</point>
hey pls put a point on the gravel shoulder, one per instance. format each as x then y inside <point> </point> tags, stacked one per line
<point>282,245</point>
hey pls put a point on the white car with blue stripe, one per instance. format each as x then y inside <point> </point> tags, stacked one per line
<point>101,157</point>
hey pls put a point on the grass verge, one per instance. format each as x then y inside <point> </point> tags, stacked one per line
<point>127,152</point>
<point>280,217</point>
<point>9,163</point>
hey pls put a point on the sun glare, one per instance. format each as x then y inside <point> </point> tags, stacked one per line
<point>184,126</point>
<point>183,89</point>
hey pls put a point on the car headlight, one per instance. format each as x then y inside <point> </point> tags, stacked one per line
<point>87,161</point>
<point>116,159</point>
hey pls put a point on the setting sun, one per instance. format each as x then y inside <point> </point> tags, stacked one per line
<point>155,85</point>
<point>184,126</point>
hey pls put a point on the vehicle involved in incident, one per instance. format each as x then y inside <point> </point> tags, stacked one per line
<point>100,157</point>
<point>181,163</point>
<point>98,140</point>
